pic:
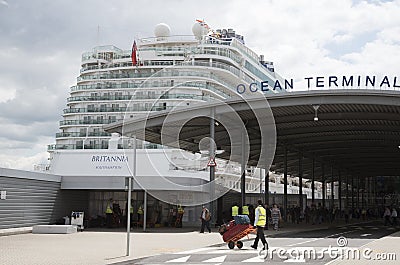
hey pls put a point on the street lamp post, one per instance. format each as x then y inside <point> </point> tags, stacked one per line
<point>128,223</point>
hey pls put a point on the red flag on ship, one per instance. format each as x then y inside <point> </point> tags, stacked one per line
<point>134,49</point>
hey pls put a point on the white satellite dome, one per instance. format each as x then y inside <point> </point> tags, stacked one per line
<point>199,30</point>
<point>162,30</point>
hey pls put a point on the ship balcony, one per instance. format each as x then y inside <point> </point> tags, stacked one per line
<point>79,134</point>
<point>81,122</point>
<point>53,147</point>
<point>114,109</point>
<point>127,64</point>
<point>188,84</point>
<point>148,84</point>
<point>169,72</point>
<point>136,97</point>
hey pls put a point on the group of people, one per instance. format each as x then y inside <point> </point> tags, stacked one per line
<point>258,216</point>
<point>273,214</point>
<point>114,214</point>
<point>390,216</point>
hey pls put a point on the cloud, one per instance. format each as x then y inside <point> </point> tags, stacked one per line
<point>23,162</point>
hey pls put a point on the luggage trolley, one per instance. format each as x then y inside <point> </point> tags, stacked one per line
<point>236,230</point>
<point>77,220</point>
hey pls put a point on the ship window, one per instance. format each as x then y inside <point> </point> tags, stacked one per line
<point>114,107</point>
<point>112,118</point>
<point>79,144</point>
<point>82,132</point>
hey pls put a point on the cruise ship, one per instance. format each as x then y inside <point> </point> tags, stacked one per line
<point>157,74</point>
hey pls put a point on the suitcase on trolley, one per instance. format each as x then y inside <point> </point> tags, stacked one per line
<point>232,233</point>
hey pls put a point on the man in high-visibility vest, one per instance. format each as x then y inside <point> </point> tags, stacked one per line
<point>235,210</point>
<point>109,214</point>
<point>178,222</point>
<point>180,209</point>
<point>140,213</point>
<point>245,210</point>
<point>259,222</point>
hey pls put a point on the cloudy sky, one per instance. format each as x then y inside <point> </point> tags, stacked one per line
<point>41,43</point>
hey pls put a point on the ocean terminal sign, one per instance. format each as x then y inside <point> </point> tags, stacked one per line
<point>323,82</point>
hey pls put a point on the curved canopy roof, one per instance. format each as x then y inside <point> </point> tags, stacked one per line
<point>357,132</point>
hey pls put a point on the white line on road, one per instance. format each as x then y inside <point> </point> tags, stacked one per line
<point>216,259</point>
<point>179,260</point>
<point>308,241</point>
<point>193,251</point>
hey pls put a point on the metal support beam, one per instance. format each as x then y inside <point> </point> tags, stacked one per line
<point>347,192</point>
<point>358,192</point>
<point>212,168</point>
<point>368,192</point>
<point>145,211</point>
<point>301,181</point>
<point>375,192</point>
<point>243,172</point>
<point>323,186</point>
<point>285,183</point>
<point>332,189</point>
<point>340,192</point>
<point>352,193</point>
<point>313,181</point>
<point>266,183</point>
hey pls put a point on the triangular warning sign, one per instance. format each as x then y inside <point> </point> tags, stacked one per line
<point>212,163</point>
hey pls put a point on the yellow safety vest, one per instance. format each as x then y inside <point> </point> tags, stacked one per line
<point>262,216</point>
<point>108,209</point>
<point>180,209</point>
<point>245,210</point>
<point>131,210</point>
<point>140,210</point>
<point>235,210</point>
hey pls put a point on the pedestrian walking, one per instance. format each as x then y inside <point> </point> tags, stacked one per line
<point>205,218</point>
<point>394,216</point>
<point>386,216</point>
<point>259,222</point>
<point>276,216</point>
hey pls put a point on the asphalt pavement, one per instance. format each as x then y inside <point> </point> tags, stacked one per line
<point>187,245</point>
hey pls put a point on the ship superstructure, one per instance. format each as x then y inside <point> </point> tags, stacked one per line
<point>157,74</point>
